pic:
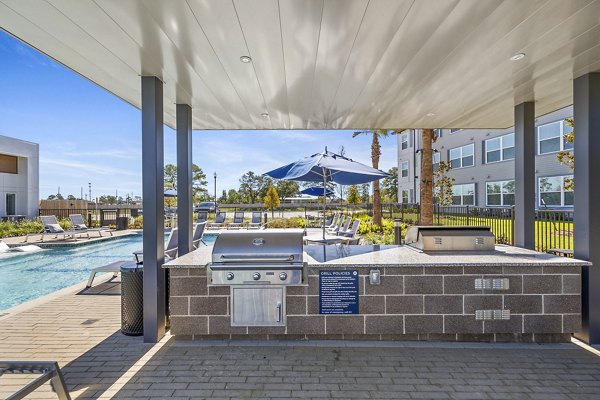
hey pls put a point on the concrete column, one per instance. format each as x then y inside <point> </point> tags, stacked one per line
<point>586,105</point>
<point>154,212</point>
<point>525,175</point>
<point>185,213</point>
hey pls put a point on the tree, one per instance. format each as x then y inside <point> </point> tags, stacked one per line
<point>427,138</point>
<point>442,184</point>
<point>71,197</point>
<point>199,190</point>
<point>287,188</point>
<point>223,198</point>
<point>251,186</point>
<point>566,157</point>
<point>271,200</point>
<point>353,195</point>
<point>170,176</point>
<point>364,193</point>
<point>233,197</point>
<point>390,185</point>
<point>375,154</point>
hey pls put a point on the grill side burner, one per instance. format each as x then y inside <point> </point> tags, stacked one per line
<point>451,238</point>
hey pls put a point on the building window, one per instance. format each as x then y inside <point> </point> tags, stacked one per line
<point>463,195</point>
<point>436,160</point>
<point>405,196</point>
<point>9,164</point>
<point>552,191</point>
<point>404,169</point>
<point>454,131</point>
<point>500,193</point>
<point>551,137</point>
<point>404,141</point>
<point>501,148</point>
<point>437,133</point>
<point>461,157</point>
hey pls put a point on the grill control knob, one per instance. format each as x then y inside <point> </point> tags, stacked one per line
<point>282,276</point>
<point>256,276</point>
<point>229,276</point>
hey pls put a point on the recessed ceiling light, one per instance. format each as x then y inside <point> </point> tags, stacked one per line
<point>517,57</point>
<point>245,59</point>
<point>431,114</point>
<point>264,115</point>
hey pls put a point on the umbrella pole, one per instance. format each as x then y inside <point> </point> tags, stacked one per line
<point>324,198</point>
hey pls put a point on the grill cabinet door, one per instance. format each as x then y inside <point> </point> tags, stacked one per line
<point>257,305</point>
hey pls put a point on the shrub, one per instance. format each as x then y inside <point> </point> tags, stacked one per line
<point>294,222</point>
<point>65,223</point>
<point>9,229</point>
<point>138,222</point>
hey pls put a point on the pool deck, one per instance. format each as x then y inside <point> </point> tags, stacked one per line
<point>51,242</point>
<point>80,329</point>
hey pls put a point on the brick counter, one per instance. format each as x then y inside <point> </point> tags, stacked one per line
<point>542,303</point>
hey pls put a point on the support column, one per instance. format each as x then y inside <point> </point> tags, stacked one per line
<point>525,175</point>
<point>154,212</point>
<point>185,213</point>
<point>586,105</point>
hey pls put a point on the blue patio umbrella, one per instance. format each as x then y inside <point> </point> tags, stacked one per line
<point>328,167</point>
<point>317,191</point>
<point>171,193</point>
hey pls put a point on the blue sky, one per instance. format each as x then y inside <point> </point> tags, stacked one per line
<point>89,135</point>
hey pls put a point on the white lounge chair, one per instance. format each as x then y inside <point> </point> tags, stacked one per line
<point>198,233</point>
<point>170,248</point>
<point>4,248</point>
<point>114,267</point>
<point>79,225</point>
<point>51,227</point>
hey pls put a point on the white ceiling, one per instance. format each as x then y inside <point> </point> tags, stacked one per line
<point>338,64</point>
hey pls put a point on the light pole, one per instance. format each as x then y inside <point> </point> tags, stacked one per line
<point>215,176</point>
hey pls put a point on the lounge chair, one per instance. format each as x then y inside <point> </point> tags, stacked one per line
<point>79,225</point>
<point>238,220</point>
<point>114,267</point>
<point>51,227</point>
<point>198,233</point>
<point>256,220</point>
<point>202,217</point>
<point>350,234</point>
<point>4,248</point>
<point>330,223</point>
<point>170,248</point>
<point>342,225</point>
<point>219,221</point>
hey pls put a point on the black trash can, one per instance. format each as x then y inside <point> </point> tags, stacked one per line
<point>122,223</point>
<point>132,299</point>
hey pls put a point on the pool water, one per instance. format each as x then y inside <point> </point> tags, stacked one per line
<point>25,277</point>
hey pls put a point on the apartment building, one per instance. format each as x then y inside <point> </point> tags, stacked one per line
<point>19,178</point>
<point>483,167</point>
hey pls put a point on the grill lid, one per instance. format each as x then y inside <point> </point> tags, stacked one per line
<point>451,238</point>
<point>259,247</point>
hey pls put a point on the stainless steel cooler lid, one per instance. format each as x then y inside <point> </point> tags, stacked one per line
<point>451,238</point>
<point>275,246</point>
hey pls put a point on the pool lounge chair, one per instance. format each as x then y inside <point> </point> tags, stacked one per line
<point>198,233</point>
<point>341,226</point>
<point>170,248</point>
<point>330,223</point>
<point>350,234</point>
<point>51,227</point>
<point>114,267</point>
<point>202,217</point>
<point>219,221</point>
<point>79,225</point>
<point>238,220</point>
<point>256,220</point>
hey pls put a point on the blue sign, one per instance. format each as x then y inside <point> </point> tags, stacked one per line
<point>338,292</point>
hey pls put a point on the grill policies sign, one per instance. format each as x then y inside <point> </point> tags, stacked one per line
<point>338,292</point>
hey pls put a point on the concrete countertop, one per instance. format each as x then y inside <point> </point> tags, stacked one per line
<point>399,256</point>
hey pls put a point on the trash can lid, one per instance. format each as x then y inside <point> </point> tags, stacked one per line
<point>131,266</point>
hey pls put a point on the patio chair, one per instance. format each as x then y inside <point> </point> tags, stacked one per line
<point>51,227</point>
<point>330,223</point>
<point>79,225</point>
<point>219,221</point>
<point>198,233</point>
<point>238,220</point>
<point>341,226</point>
<point>114,267</point>
<point>351,233</point>
<point>256,220</point>
<point>170,248</point>
<point>202,217</point>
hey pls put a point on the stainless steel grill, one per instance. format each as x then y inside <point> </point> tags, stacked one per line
<point>451,238</point>
<point>273,256</point>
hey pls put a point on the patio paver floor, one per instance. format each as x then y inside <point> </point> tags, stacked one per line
<point>82,333</point>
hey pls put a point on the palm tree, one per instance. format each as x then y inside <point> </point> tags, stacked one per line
<point>427,138</point>
<point>375,154</point>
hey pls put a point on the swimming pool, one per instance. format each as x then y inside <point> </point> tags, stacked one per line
<point>25,277</point>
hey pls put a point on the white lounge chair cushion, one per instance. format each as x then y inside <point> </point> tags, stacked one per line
<point>27,248</point>
<point>80,226</point>
<point>54,228</point>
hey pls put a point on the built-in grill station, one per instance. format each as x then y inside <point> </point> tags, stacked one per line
<point>450,238</point>
<point>258,265</point>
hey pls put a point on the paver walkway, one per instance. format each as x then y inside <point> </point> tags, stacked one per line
<point>82,333</point>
